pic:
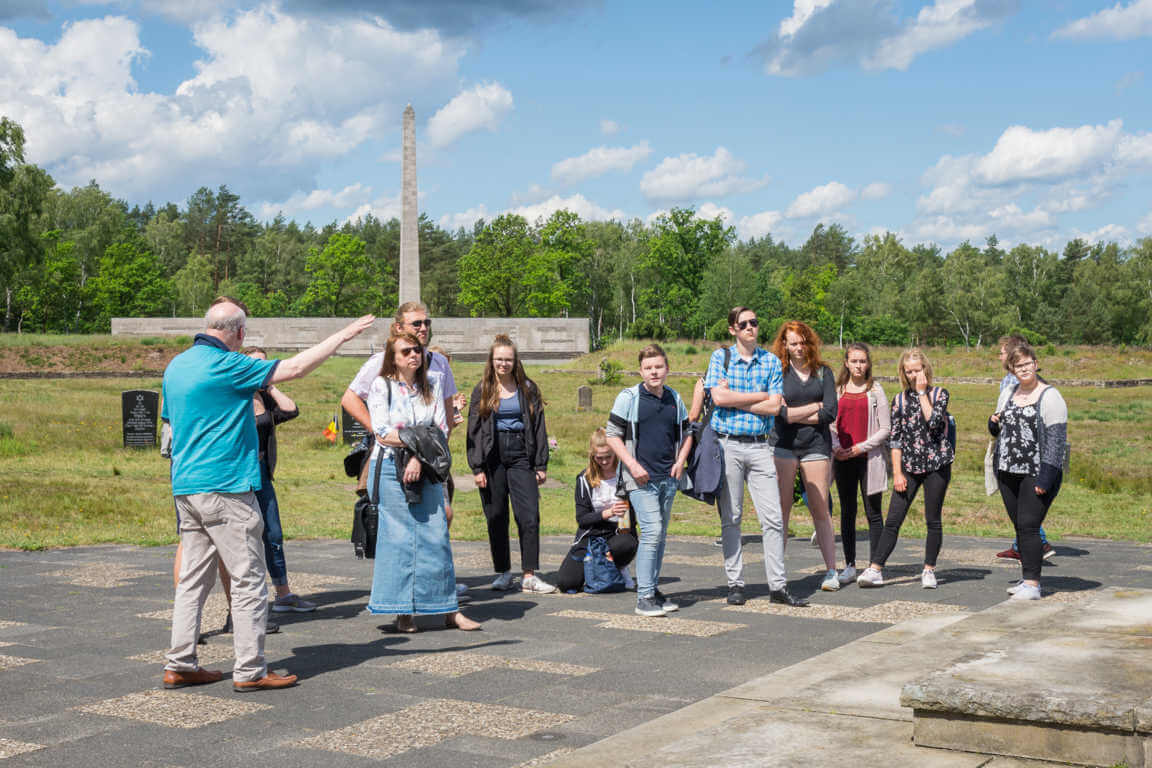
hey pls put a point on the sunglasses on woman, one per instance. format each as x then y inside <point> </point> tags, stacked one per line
<point>407,351</point>
<point>418,323</point>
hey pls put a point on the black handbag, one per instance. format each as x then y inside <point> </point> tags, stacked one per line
<point>365,521</point>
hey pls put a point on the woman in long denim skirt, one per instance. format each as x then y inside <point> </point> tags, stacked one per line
<point>413,572</point>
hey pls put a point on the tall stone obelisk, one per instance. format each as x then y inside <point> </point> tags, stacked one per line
<point>409,214</point>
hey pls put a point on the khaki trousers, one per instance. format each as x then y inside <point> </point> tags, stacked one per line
<point>228,524</point>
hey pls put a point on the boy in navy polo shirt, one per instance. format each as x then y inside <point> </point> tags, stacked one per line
<point>648,432</point>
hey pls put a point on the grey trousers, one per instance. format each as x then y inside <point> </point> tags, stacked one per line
<point>228,524</point>
<point>751,464</point>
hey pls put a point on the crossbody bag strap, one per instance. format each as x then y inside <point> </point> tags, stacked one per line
<point>376,479</point>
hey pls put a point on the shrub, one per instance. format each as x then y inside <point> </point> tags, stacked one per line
<point>151,341</point>
<point>690,350</point>
<point>609,372</point>
<point>718,331</point>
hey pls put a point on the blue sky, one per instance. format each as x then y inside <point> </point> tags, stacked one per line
<point>941,121</point>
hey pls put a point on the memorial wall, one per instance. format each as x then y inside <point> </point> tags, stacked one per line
<point>465,338</point>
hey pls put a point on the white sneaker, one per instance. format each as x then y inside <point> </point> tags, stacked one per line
<point>629,582</point>
<point>461,588</point>
<point>813,540</point>
<point>536,585</point>
<point>1012,589</point>
<point>831,582</point>
<point>848,575</point>
<point>871,577</point>
<point>1026,592</point>
<point>928,579</point>
<point>503,582</point>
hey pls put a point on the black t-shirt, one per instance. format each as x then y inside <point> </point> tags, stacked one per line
<point>657,433</point>
<point>818,388</point>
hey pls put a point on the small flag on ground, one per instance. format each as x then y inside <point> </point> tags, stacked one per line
<point>330,431</point>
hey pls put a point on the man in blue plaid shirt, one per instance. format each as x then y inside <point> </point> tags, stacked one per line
<point>747,395</point>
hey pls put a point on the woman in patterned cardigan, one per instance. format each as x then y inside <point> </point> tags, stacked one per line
<point>1030,426</point>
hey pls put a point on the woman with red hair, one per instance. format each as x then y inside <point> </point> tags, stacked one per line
<point>801,437</point>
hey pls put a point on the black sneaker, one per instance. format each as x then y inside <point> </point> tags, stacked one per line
<point>736,596</point>
<point>649,606</point>
<point>665,603</point>
<point>783,597</point>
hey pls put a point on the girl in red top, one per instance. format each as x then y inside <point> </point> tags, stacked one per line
<point>859,447</point>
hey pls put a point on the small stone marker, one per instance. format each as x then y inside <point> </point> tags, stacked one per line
<point>584,398</point>
<point>140,409</point>
<point>351,429</point>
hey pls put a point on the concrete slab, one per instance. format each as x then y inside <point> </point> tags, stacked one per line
<point>93,648</point>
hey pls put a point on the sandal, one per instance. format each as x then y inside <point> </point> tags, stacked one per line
<point>406,624</point>
<point>459,621</point>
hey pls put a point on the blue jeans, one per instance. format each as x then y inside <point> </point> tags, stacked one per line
<point>653,506</point>
<point>273,533</point>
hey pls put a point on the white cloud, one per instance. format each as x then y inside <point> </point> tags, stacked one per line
<point>300,202</point>
<point>1145,226</point>
<point>945,229</point>
<point>609,127</point>
<point>465,219</point>
<point>1120,22</point>
<point>1070,200</point>
<point>1022,154</point>
<point>481,107</point>
<point>759,224</point>
<point>1070,169</point>
<point>1135,150</point>
<point>269,103</point>
<point>821,34</point>
<point>690,176</point>
<point>936,26</point>
<point>383,208</point>
<point>821,200</point>
<point>802,10</point>
<point>535,194</point>
<point>1029,178</point>
<point>1012,218</point>
<point>578,204</point>
<point>877,190</point>
<point>1107,233</point>
<point>599,161</point>
<point>711,211</point>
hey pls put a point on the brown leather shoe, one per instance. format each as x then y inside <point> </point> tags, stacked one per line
<point>175,679</point>
<point>266,683</point>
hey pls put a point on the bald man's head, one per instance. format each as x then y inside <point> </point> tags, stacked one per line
<point>225,321</point>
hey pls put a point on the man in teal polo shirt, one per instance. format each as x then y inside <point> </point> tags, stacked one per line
<point>215,469</point>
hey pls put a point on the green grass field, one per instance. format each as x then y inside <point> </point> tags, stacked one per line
<point>65,480</point>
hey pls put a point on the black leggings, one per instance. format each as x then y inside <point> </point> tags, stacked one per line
<point>935,486</point>
<point>850,475</point>
<point>1027,510</point>
<point>571,575</point>
<point>511,477</point>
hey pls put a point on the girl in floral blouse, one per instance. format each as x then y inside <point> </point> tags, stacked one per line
<point>1030,427</point>
<point>922,455</point>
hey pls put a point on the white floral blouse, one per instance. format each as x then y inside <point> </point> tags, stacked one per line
<point>407,408</point>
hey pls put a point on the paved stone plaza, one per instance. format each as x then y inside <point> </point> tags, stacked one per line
<point>82,634</point>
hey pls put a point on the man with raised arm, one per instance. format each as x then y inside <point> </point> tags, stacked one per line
<point>208,392</point>
<point>745,381</point>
